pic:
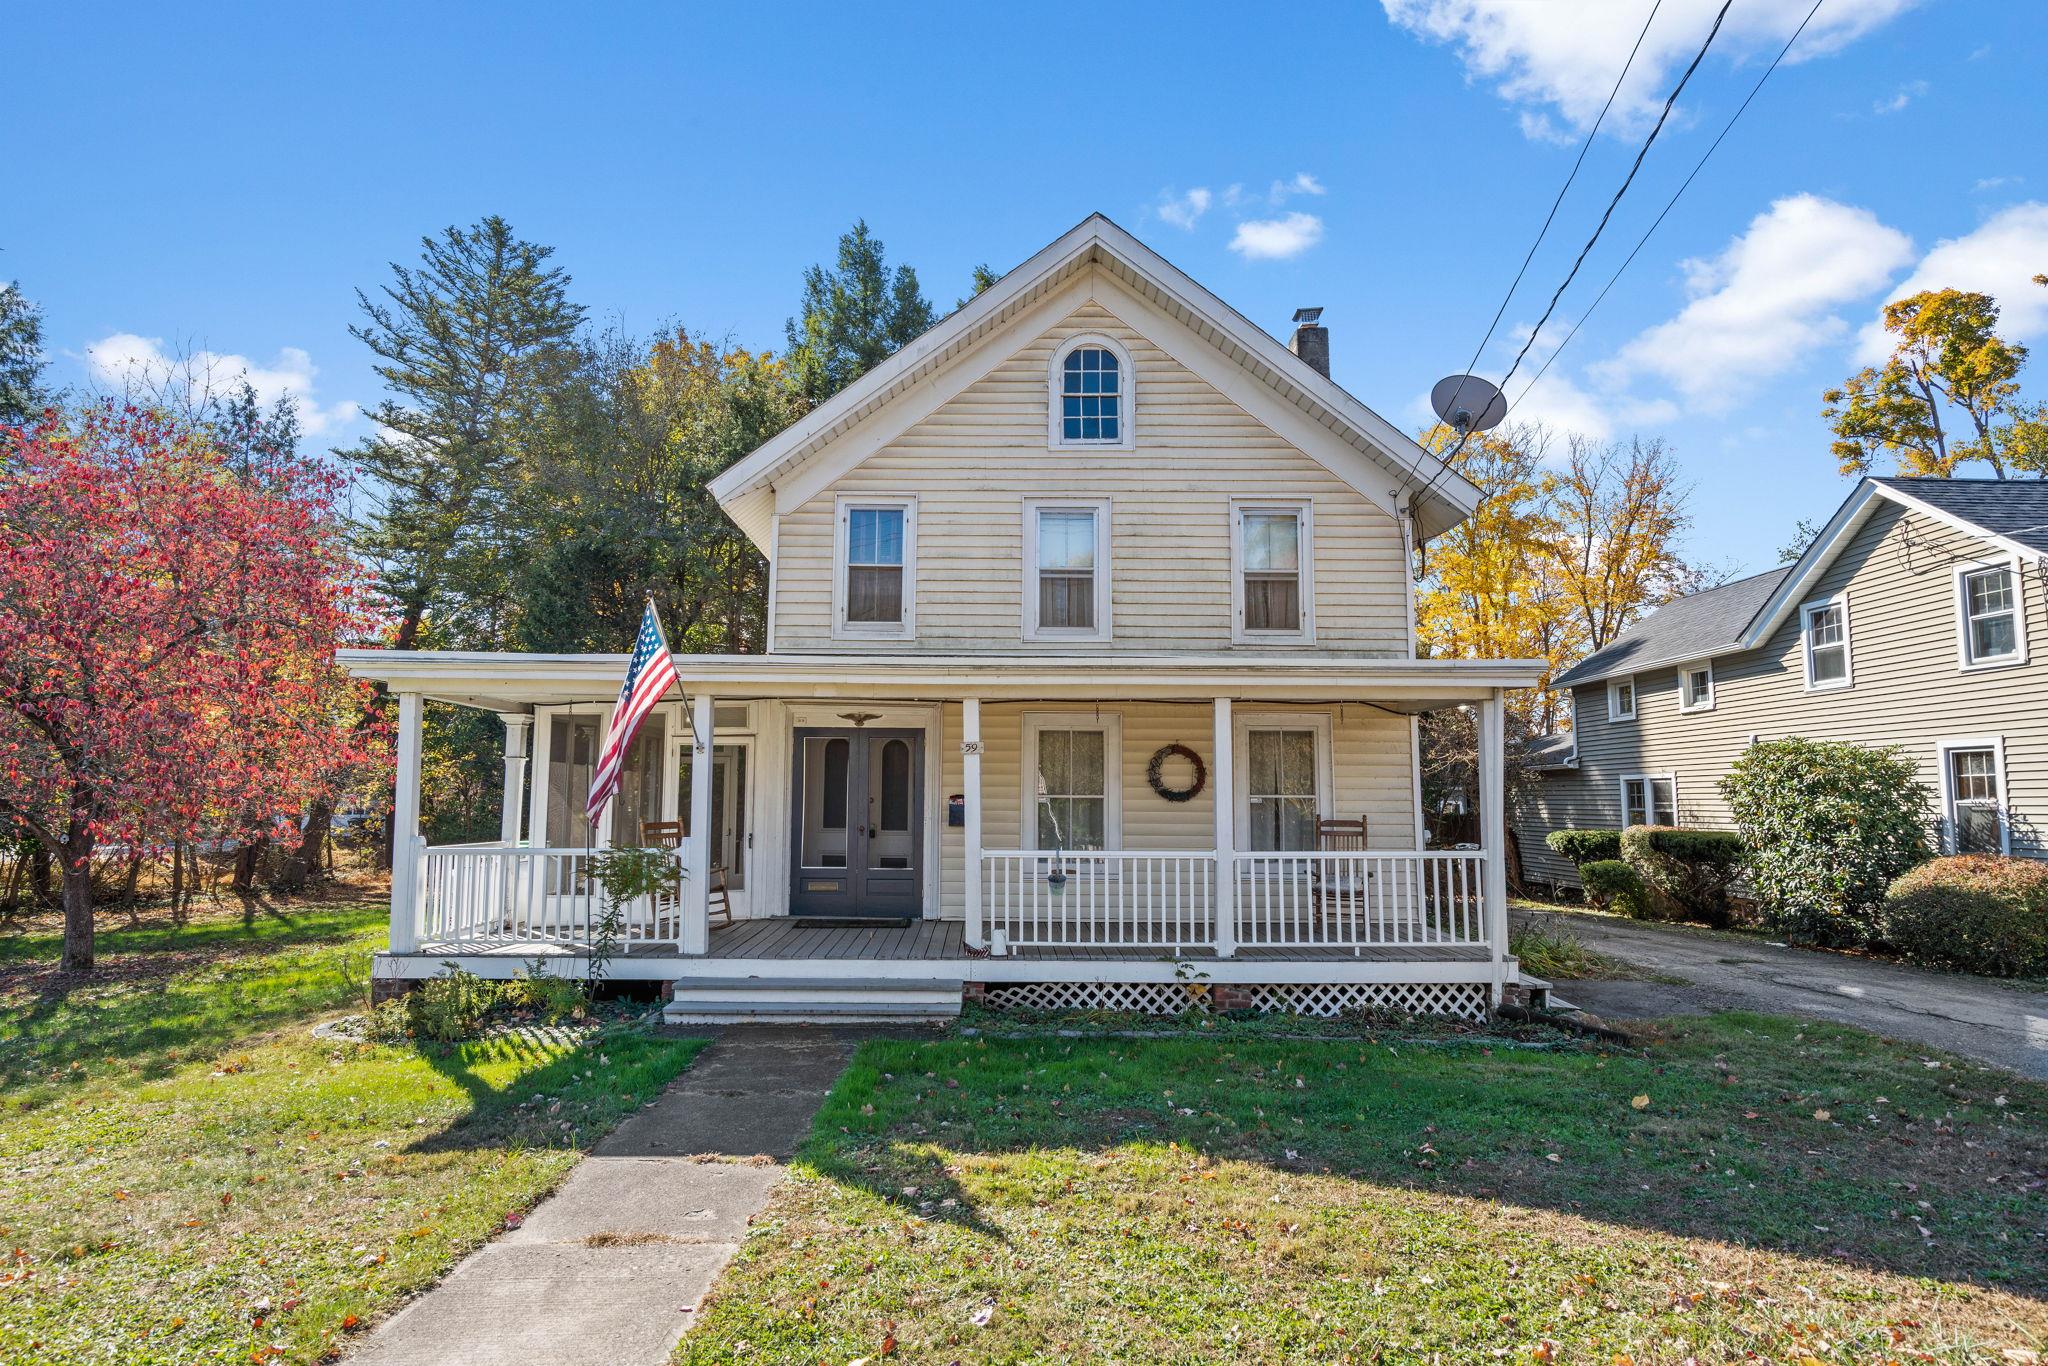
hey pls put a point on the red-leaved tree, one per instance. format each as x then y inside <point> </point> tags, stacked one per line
<point>167,636</point>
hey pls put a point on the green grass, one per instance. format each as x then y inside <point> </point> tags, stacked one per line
<point>1554,953</point>
<point>187,1175</point>
<point>1272,1200</point>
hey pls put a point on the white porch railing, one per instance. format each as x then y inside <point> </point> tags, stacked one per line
<point>1106,900</point>
<point>500,896</point>
<point>1361,901</point>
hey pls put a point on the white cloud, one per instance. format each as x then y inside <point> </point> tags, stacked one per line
<point>1184,210</point>
<point>127,361</point>
<point>1998,182</point>
<point>1767,300</point>
<point>1301,183</point>
<point>1277,239</point>
<point>2001,259</point>
<point>1900,98</point>
<point>1563,58</point>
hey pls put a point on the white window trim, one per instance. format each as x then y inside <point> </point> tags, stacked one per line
<point>1964,660</point>
<point>842,629</point>
<point>1127,409</point>
<point>1614,687</point>
<point>1949,828</point>
<point>1683,671</point>
<point>1649,781</point>
<point>1304,509</point>
<point>1241,728</point>
<point>1806,610</point>
<point>1100,507</point>
<point>1111,724</point>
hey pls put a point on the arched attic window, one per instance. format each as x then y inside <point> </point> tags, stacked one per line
<point>1091,394</point>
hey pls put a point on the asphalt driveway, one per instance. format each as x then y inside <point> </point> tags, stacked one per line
<point>1974,1016</point>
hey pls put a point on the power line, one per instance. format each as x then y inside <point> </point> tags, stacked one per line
<point>1669,205</point>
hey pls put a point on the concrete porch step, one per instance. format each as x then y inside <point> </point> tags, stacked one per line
<point>809,999</point>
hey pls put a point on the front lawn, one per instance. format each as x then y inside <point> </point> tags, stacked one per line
<point>186,1174</point>
<point>1753,1189</point>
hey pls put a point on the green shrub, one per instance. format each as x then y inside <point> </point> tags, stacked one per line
<point>1686,873</point>
<point>552,998</point>
<point>445,1009</point>
<point>1585,846</point>
<point>1828,826</point>
<point>1613,885</point>
<point>1977,912</point>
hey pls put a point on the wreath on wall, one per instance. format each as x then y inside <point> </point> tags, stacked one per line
<point>1177,794</point>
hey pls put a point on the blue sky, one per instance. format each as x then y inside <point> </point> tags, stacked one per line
<point>223,178</point>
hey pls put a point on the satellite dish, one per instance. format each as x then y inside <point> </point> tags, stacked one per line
<point>1468,403</point>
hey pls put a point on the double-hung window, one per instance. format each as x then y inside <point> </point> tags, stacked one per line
<point>1066,572</point>
<point>876,586</point>
<point>1091,394</point>
<point>1273,595</point>
<point>1072,781</point>
<point>1649,799</point>
<point>1621,699</point>
<point>1991,625</point>
<point>1973,791</point>
<point>1824,636</point>
<point>1696,687</point>
<point>1283,785</point>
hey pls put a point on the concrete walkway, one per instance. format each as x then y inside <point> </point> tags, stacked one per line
<point>612,1266</point>
<point>1977,1017</point>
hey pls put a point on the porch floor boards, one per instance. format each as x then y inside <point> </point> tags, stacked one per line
<point>788,939</point>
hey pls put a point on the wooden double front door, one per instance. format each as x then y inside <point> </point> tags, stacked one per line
<point>857,823</point>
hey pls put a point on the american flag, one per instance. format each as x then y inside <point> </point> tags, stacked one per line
<point>651,674</point>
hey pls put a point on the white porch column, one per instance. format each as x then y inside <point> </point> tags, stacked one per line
<point>1493,827</point>
<point>696,932</point>
<point>406,867</point>
<point>970,787</point>
<point>518,730</point>
<point>1226,838</point>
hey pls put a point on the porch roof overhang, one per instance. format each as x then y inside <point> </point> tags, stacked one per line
<point>511,682</point>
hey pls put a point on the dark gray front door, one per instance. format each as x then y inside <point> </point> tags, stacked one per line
<point>857,823</point>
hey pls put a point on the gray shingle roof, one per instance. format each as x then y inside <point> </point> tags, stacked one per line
<point>2016,509</point>
<point>1683,629</point>
<point>1548,751</point>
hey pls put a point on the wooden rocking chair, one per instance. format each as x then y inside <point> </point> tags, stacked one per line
<point>670,835</point>
<point>1342,889</point>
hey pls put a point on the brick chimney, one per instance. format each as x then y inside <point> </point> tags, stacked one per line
<point>1311,340</point>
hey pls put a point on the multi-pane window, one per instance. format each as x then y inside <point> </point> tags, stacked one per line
<point>1091,395</point>
<point>875,558</point>
<point>1990,615</point>
<point>1073,788</point>
<point>1067,557</point>
<point>1648,800</point>
<point>1974,801</point>
<point>1270,552</point>
<point>1827,644</point>
<point>1621,700</point>
<point>1282,801</point>
<point>1696,687</point>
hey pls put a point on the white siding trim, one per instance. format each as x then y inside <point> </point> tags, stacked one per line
<point>1686,669</point>
<point>1103,628</point>
<point>1243,724</point>
<point>1848,678</point>
<point>906,629</point>
<point>1127,387</point>
<point>1949,830</point>
<point>2013,565</point>
<point>1111,724</point>
<point>1304,509</point>
<point>1614,707</point>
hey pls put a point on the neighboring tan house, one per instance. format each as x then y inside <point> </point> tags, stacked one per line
<point>1908,621</point>
<point>1085,610</point>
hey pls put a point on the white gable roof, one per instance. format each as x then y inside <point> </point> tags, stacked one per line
<point>1096,260</point>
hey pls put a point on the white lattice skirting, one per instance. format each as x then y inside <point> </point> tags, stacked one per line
<point>1464,1000</point>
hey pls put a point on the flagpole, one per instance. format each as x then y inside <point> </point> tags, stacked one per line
<point>696,740</point>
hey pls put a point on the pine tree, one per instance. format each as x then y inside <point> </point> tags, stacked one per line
<point>22,395</point>
<point>853,317</point>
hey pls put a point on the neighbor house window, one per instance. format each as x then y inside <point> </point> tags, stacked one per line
<point>1621,700</point>
<point>1274,597</point>
<point>1649,799</point>
<point>877,556</point>
<point>1066,571</point>
<point>1091,394</point>
<point>1072,781</point>
<point>1825,633</point>
<point>1973,791</point>
<point>1283,767</point>
<point>1988,597</point>
<point>1696,687</point>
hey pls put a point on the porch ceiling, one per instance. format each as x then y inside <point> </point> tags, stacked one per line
<point>509,682</point>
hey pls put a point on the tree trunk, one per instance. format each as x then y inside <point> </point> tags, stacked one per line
<point>134,878</point>
<point>78,927</point>
<point>248,861</point>
<point>39,870</point>
<point>304,863</point>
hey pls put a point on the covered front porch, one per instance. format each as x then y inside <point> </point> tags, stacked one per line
<point>991,820</point>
